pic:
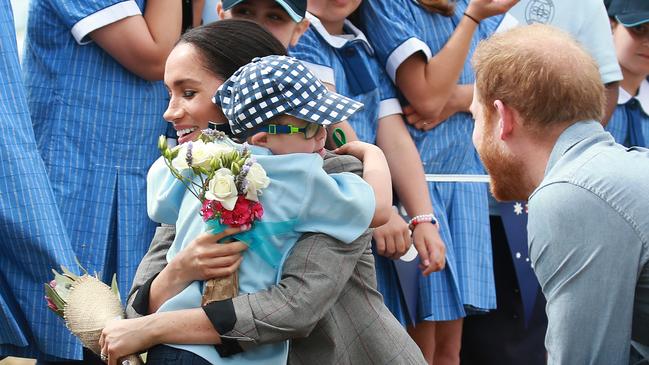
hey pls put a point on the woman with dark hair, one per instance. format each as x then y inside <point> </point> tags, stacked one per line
<point>323,280</point>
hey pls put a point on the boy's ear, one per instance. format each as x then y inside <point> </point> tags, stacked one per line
<point>219,10</point>
<point>299,30</point>
<point>259,139</point>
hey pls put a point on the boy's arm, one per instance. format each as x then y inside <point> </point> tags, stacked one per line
<point>377,174</point>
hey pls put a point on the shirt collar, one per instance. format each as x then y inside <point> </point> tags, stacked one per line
<point>642,97</point>
<point>569,138</point>
<point>336,41</point>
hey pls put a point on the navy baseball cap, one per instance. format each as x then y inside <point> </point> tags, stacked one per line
<point>276,85</point>
<point>296,9</point>
<point>629,12</point>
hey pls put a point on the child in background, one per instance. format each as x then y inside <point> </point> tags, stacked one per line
<point>285,19</point>
<point>425,50</point>
<point>339,54</point>
<point>629,124</point>
<point>285,128</point>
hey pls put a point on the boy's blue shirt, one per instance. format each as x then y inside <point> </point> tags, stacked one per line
<point>301,198</point>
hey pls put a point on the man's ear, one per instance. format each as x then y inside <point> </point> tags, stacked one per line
<point>259,139</point>
<point>506,119</point>
<point>220,11</point>
<point>299,30</point>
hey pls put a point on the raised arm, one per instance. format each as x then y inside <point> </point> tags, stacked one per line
<point>141,43</point>
<point>376,173</point>
<point>428,84</point>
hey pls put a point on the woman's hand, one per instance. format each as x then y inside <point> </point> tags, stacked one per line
<point>431,248</point>
<point>483,9</point>
<point>204,259</point>
<point>392,239</point>
<point>123,337</point>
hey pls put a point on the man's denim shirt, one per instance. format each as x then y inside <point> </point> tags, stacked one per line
<point>588,235</point>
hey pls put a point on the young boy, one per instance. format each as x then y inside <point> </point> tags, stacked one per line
<point>281,108</point>
<point>629,124</point>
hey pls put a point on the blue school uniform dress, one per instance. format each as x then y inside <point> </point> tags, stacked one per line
<point>629,123</point>
<point>398,29</point>
<point>96,125</point>
<point>347,62</point>
<point>300,198</point>
<point>33,237</point>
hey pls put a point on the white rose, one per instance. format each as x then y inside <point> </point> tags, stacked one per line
<point>223,188</point>
<point>201,154</point>
<point>180,162</point>
<point>257,180</point>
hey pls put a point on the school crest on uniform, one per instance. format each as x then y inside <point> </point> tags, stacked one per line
<point>539,11</point>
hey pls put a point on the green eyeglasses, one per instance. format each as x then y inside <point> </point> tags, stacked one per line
<point>310,131</point>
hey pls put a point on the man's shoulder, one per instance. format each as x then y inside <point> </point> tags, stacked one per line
<point>334,163</point>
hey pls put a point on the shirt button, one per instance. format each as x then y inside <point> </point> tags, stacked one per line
<point>515,316</point>
<point>516,290</point>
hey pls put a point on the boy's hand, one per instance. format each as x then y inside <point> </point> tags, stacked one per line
<point>357,149</point>
<point>431,248</point>
<point>392,239</point>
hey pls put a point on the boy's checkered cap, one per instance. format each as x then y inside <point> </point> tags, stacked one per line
<point>276,85</point>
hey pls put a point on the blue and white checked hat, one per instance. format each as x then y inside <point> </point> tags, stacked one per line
<point>276,85</point>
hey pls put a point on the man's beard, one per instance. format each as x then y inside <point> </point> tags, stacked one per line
<point>506,171</point>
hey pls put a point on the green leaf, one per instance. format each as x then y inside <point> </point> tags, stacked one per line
<point>80,266</point>
<point>54,297</point>
<point>114,288</point>
<point>69,273</point>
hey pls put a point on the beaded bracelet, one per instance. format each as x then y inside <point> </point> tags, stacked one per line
<point>422,218</point>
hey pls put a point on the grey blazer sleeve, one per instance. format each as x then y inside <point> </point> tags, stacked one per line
<point>313,277</point>
<point>152,263</point>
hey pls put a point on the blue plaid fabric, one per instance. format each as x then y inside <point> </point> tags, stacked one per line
<point>462,208</point>
<point>276,85</point>
<point>350,62</point>
<point>631,112</point>
<point>33,238</point>
<point>96,126</point>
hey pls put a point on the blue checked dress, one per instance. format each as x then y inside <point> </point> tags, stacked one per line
<point>96,125</point>
<point>398,29</point>
<point>629,123</point>
<point>349,64</point>
<point>33,238</point>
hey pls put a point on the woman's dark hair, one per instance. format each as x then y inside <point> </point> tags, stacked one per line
<point>226,45</point>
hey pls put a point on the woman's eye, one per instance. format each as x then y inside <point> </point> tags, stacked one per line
<point>189,93</point>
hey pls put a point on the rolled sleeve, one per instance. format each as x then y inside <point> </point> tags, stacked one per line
<point>108,15</point>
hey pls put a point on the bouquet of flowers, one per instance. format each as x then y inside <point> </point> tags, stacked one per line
<point>86,304</point>
<point>227,181</point>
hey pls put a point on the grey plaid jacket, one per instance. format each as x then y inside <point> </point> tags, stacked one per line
<point>326,303</point>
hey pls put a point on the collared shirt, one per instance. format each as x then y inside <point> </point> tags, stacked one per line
<point>300,198</point>
<point>589,245</point>
<point>631,109</point>
<point>586,20</point>
<point>34,239</point>
<point>348,63</point>
<point>96,126</point>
